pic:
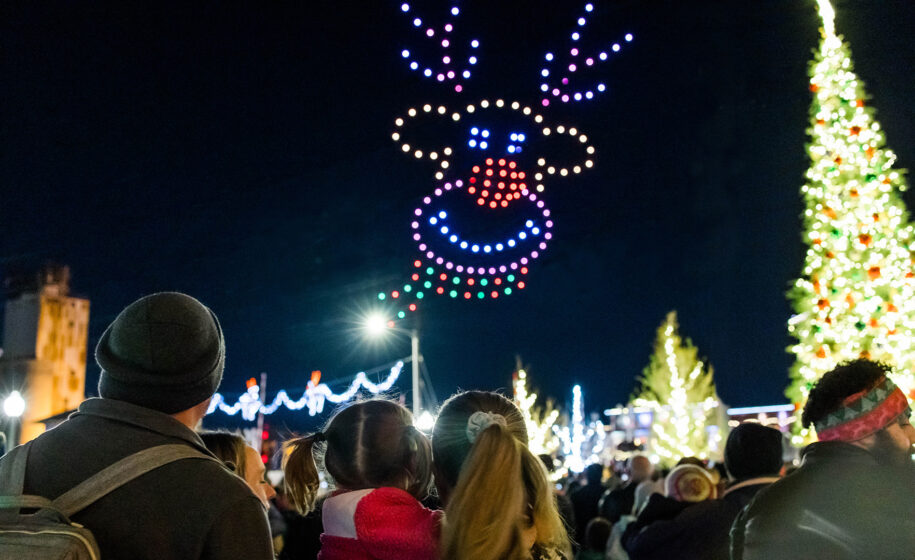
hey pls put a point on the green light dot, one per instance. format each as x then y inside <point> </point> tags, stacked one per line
<point>381,295</point>
<point>511,277</point>
<point>401,314</point>
<point>481,295</point>
<point>419,295</point>
<point>508,291</point>
<point>429,270</point>
<point>407,288</point>
<point>452,293</point>
<point>455,280</point>
<point>484,281</point>
<point>427,284</point>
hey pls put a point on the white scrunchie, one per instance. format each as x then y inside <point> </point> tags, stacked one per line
<point>480,420</point>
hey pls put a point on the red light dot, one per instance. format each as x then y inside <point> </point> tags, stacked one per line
<point>520,285</point>
<point>480,201</point>
<point>395,294</point>
<point>443,277</point>
<point>495,294</point>
<point>501,184</point>
<point>497,281</point>
<point>487,183</point>
<point>489,172</point>
<point>415,277</point>
<point>488,161</point>
<point>492,204</point>
<point>470,281</point>
<point>498,196</point>
<point>512,164</point>
<point>265,434</point>
<point>417,263</point>
<point>264,458</point>
<point>473,180</point>
<point>476,169</point>
<point>502,162</point>
<point>412,307</point>
<point>390,324</point>
<point>521,175</point>
<point>472,190</point>
<point>484,194</point>
<point>523,270</point>
<point>514,175</point>
<point>504,204</point>
<point>440,290</point>
<point>503,173</point>
<point>466,295</point>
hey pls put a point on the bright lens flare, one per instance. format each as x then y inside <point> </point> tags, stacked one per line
<point>376,324</point>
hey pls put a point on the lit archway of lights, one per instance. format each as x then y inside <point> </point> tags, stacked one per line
<point>446,65</point>
<point>560,81</point>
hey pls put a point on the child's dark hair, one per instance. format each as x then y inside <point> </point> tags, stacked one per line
<point>368,444</point>
<point>835,386</point>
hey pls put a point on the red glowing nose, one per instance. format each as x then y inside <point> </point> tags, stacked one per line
<point>497,182</point>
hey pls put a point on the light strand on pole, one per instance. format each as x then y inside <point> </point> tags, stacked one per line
<point>314,397</point>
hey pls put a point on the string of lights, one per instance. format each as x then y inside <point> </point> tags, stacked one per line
<point>446,65</point>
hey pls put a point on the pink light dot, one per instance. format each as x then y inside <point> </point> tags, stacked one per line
<point>572,67</point>
<point>523,260</point>
<point>548,236</point>
<point>415,225</point>
<point>590,62</point>
<point>565,81</point>
<point>430,32</point>
<point>539,204</point>
<point>450,74</point>
<point>574,52</point>
<point>543,246</point>
<point>445,43</point>
<point>418,212</point>
<point>549,223</point>
<point>533,197</point>
<point>514,266</point>
<point>458,88</point>
<point>545,102</point>
<point>439,260</point>
<point>438,192</point>
<point>449,265</point>
<point>469,270</point>
<point>546,214</point>
<point>427,200</point>
<point>565,98</point>
<point>555,91</point>
<point>441,77</point>
<point>459,183</point>
<point>422,247</point>
<point>416,237</point>
<point>535,254</point>
<point>430,255</point>
<point>446,59</point>
<point>448,28</point>
<point>492,270</point>
<point>459,268</point>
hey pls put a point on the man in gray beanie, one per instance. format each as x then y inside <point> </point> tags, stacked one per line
<point>162,359</point>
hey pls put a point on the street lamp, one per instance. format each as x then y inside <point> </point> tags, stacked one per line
<point>13,408</point>
<point>377,325</point>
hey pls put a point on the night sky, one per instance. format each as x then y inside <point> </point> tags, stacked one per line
<point>241,152</point>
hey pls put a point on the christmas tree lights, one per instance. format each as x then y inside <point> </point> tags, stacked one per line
<point>582,443</point>
<point>569,80</point>
<point>679,390</point>
<point>316,394</point>
<point>855,298</point>
<point>539,422</point>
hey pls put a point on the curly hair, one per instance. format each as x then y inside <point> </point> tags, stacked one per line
<point>835,386</point>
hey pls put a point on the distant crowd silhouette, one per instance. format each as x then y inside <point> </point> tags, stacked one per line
<point>369,485</point>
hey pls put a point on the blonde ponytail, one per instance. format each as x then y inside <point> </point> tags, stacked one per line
<point>300,472</point>
<point>483,519</point>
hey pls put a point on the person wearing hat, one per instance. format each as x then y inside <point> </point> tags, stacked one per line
<point>853,497</point>
<point>162,360</point>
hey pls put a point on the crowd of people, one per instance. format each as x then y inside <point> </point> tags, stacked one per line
<point>472,491</point>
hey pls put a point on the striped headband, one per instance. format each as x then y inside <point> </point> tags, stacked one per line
<point>864,413</point>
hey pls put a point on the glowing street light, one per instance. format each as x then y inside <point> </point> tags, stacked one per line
<point>376,325</point>
<point>14,405</point>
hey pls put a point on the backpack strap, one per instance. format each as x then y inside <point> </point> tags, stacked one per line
<point>12,470</point>
<point>116,475</point>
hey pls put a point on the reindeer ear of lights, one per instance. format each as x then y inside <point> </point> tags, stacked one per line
<point>564,83</point>
<point>446,65</point>
<point>503,184</point>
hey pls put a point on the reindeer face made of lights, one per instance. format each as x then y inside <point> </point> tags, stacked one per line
<point>483,226</point>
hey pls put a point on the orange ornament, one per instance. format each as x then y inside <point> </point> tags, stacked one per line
<point>869,153</point>
<point>821,353</point>
<point>860,103</point>
<point>853,193</point>
<point>855,130</point>
<point>873,323</point>
<point>890,308</point>
<point>838,160</point>
<point>865,239</point>
<point>909,275</point>
<point>823,303</point>
<point>865,355</point>
<point>873,272</point>
<point>830,212</point>
<point>814,88</point>
<point>850,301</point>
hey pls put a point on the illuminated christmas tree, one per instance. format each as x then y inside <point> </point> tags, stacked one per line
<point>679,389</point>
<point>539,421</point>
<point>855,298</point>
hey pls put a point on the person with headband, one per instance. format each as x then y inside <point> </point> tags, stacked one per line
<point>499,504</point>
<point>853,497</point>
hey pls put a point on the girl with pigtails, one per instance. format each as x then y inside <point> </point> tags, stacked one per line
<point>498,501</point>
<point>381,466</point>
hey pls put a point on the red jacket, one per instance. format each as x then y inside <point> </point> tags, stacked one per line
<point>378,524</point>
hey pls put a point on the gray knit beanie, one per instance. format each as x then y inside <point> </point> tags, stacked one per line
<point>165,351</point>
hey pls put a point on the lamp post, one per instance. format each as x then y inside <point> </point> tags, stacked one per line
<point>13,408</point>
<point>377,325</point>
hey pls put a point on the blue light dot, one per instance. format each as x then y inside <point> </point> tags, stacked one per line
<point>518,149</point>
<point>453,238</point>
<point>575,36</point>
<point>499,246</point>
<point>414,65</point>
<point>472,60</point>
<point>405,7</point>
<point>589,95</point>
<point>405,53</point>
<point>601,87</point>
<point>522,235</point>
<point>603,56</point>
<point>419,295</point>
<point>485,133</point>
<point>475,248</point>
<point>511,242</point>
<point>433,220</point>
<point>381,296</point>
<point>511,149</point>
<point>520,138</point>
<point>487,248</point>
<point>549,56</point>
<point>582,21</point>
<point>615,47</point>
<point>427,72</point>
<point>463,244</point>
<point>535,231</point>
<point>544,72</point>
<point>544,87</point>
<point>442,214</point>
<point>628,37</point>
<point>514,137</point>
<point>455,11</point>
<point>444,229</point>
<point>466,73</point>
<point>589,7</point>
<point>407,288</point>
<point>483,145</point>
<point>474,131</point>
<point>529,223</point>
<point>417,22</point>
<point>472,143</point>
<point>474,43</point>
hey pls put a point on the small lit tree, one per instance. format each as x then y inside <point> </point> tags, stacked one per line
<point>539,421</point>
<point>679,390</point>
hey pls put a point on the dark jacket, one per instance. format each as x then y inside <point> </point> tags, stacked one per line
<point>682,531</point>
<point>584,505</point>
<point>186,510</point>
<point>618,502</point>
<point>841,504</point>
